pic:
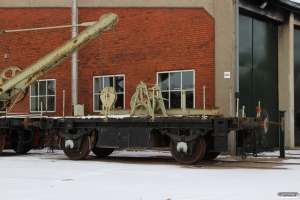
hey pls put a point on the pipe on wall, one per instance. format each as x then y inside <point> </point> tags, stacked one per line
<point>75,55</point>
<point>237,61</point>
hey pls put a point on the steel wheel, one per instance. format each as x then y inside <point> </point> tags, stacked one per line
<point>26,146</point>
<point>78,155</point>
<point>102,152</point>
<point>197,153</point>
<point>203,145</point>
<point>2,143</point>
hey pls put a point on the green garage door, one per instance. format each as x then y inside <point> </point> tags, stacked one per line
<point>259,71</point>
<point>297,80</point>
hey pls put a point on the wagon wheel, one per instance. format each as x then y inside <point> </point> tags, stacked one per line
<point>102,152</point>
<point>2,143</point>
<point>27,146</point>
<point>8,73</point>
<point>78,155</point>
<point>203,150</point>
<point>197,153</point>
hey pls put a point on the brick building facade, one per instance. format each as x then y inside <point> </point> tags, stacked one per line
<point>145,42</point>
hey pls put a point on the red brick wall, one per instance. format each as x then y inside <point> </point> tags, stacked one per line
<point>145,41</point>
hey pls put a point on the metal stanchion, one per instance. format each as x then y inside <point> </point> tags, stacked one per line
<point>282,135</point>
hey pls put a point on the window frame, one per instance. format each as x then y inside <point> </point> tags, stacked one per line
<point>44,107</point>
<point>169,90</point>
<point>98,93</point>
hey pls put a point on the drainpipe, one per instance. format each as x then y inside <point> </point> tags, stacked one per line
<point>237,74</point>
<point>75,55</point>
<point>237,60</point>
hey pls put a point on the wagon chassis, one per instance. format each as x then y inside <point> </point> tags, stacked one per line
<point>81,135</point>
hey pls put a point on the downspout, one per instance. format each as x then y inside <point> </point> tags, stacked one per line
<point>237,60</point>
<point>75,55</point>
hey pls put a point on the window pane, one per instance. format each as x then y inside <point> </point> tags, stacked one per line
<point>108,82</point>
<point>34,103</point>
<point>189,99</point>
<point>42,91</point>
<point>187,80</point>
<point>51,88</point>
<point>175,81</point>
<point>119,83</point>
<point>50,103</point>
<point>163,81</point>
<point>98,85</point>
<point>119,102</point>
<point>97,102</point>
<point>34,89</point>
<point>165,95</point>
<point>175,99</point>
<point>42,87</point>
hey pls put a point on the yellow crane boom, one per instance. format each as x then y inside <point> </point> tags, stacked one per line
<point>9,88</point>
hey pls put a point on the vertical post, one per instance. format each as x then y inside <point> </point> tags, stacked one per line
<point>282,135</point>
<point>153,101</point>
<point>230,105</point>
<point>237,54</point>
<point>64,94</point>
<point>204,116</point>
<point>259,110</point>
<point>41,109</point>
<point>183,102</point>
<point>75,55</point>
<point>243,112</point>
<point>237,107</point>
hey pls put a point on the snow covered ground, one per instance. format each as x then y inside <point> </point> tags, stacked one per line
<point>144,175</point>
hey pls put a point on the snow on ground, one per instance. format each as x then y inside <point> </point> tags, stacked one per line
<point>42,175</point>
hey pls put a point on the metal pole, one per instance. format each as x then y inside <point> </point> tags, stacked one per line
<point>237,51</point>
<point>85,24</point>
<point>204,116</point>
<point>282,135</point>
<point>41,109</point>
<point>183,102</point>
<point>64,94</point>
<point>75,55</point>
<point>237,63</point>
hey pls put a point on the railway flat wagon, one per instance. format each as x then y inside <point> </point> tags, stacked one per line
<point>190,134</point>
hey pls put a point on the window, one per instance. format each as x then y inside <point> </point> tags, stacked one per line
<point>117,82</point>
<point>42,91</point>
<point>172,84</point>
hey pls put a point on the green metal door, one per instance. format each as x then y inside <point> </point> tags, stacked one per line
<point>297,80</point>
<point>259,71</point>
